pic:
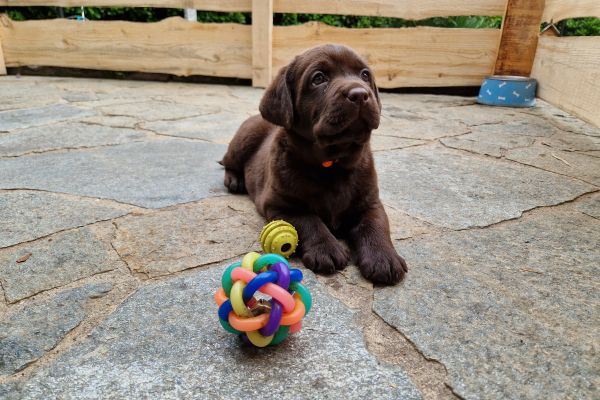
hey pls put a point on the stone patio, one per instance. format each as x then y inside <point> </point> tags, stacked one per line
<point>115,229</point>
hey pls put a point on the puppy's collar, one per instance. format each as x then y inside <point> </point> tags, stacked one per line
<point>328,163</point>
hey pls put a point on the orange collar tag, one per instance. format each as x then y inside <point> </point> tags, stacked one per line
<point>327,163</point>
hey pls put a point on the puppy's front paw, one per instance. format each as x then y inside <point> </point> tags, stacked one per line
<point>234,181</point>
<point>326,257</point>
<point>382,266</point>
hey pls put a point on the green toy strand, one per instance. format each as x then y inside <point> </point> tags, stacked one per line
<point>304,295</point>
<point>226,281</point>
<point>280,335</point>
<point>229,328</point>
<point>268,259</point>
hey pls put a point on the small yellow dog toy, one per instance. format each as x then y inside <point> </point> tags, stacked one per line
<point>279,237</point>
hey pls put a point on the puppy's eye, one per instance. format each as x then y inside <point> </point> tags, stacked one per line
<point>318,78</point>
<point>365,75</point>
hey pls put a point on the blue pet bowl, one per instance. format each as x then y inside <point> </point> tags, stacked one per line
<point>507,91</point>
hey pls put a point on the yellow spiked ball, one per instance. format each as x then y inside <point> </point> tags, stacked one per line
<point>279,237</point>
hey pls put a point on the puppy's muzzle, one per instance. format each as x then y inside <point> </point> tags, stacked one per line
<point>358,96</point>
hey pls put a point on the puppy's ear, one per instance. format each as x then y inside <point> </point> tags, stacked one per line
<point>276,105</point>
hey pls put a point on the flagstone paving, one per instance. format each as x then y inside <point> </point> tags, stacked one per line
<point>115,228</point>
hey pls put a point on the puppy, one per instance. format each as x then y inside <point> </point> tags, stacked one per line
<point>307,159</point>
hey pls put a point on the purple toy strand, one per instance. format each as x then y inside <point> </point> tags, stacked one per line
<point>274,319</point>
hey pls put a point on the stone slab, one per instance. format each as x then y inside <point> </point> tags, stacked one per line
<point>519,125</point>
<point>563,120</point>
<point>247,94</point>
<point>15,102</point>
<point>114,121</point>
<point>218,128</point>
<point>572,164</point>
<point>417,124</point>
<point>24,118</point>
<point>489,118</point>
<point>153,174</point>
<point>56,261</point>
<point>64,135</point>
<point>79,96</point>
<point>511,311</point>
<point>380,143</point>
<point>165,341</point>
<point>590,205</point>
<point>595,153</point>
<point>413,101</point>
<point>457,190</point>
<point>153,110</point>
<point>208,231</point>
<point>573,142</point>
<point>495,145</point>
<point>16,93</point>
<point>28,332</point>
<point>403,226</point>
<point>27,215</point>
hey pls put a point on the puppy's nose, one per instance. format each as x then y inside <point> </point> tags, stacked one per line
<point>358,95</point>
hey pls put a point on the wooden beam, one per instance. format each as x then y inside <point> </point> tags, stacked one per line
<point>557,10</point>
<point>205,5</point>
<point>408,9</point>
<point>262,42</point>
<point>568,74</point>
<point>401,57</point>
<point>520,32</point>
<point>2,65</point>
<point>172,46</point>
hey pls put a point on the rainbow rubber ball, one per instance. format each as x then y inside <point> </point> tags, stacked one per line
<point>262,299</point>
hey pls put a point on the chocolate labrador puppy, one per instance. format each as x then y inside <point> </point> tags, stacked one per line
<point>307,159</point>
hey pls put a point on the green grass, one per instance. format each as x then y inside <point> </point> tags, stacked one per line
<point>580,27</point>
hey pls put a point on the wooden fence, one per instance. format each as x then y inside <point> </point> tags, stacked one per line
<point>567,68</point>
<point>401,57</point>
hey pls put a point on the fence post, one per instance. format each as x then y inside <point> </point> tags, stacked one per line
<point>2,65</point>
<point>262,42</point>
<point>520,32</point>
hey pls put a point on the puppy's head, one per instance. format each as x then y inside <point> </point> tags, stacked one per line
<point>328,96</point>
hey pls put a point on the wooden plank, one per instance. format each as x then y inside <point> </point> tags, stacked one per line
<point>173,46</point>
<point>568,74</point>
<point>557,10</point>
<point>408,9</point>
<point>520,32</point>
<point>206,5</point>
<point>401,57</point>
<point>262,42</point>
<point>2,65</point>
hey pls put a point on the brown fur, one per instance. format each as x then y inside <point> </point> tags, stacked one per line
<point>322,106</point>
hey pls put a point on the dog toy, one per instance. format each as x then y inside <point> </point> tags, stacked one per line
<point>243,306</point>
<point>279,237</point>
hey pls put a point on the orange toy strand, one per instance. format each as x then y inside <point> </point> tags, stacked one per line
<point>296,315</point>
<point>296,327</point>
<point>248,324</point>
<point>220,297</point>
